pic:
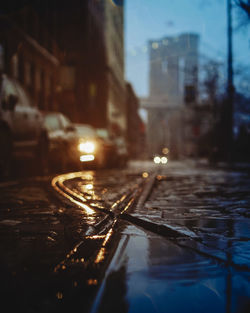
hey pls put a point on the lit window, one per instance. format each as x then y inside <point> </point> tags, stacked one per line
<point>155,45</point>
<point>164,66</point>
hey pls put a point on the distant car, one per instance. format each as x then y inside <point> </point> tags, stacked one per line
<point>22,134</point>
<point>61,136</point>
<point>159,159</point>
<point>90,148</point>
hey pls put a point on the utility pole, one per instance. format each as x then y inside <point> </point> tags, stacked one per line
<point>230,82</point>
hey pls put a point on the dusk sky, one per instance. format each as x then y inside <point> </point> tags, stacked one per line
<point>155,19</point>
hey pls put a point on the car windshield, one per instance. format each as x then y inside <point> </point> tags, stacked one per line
<point>103,133</point>
<point>85,130</point>
<point>52,122</point>
<point>65,121</point>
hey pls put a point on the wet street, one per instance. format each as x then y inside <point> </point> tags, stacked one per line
<point>149,238</point>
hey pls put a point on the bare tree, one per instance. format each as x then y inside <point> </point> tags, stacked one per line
<point>211,79</point>
<point>244,5</point>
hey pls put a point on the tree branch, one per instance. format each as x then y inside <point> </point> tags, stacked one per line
<point>244,5</point>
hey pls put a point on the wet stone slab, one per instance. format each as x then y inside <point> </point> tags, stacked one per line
<point>212,204</point>
<point>48,260</point>
<point>150,273</point>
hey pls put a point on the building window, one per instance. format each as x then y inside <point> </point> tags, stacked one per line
<point>182,70</point>
<point>37,80</point>
<point>27,73</point>
<point>1,58</point>
<point>164,66</point>
<point>14,66</point>
<point>67,77</point>
<point>92,90</point>
<point>21,68</point>
<point>155,45</point>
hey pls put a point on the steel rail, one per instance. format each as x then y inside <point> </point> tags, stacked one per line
<point>136,198</point>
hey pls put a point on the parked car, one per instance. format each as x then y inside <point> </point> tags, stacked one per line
<point>89,148</point>
<point>22,134</point>
<point>61,138</point>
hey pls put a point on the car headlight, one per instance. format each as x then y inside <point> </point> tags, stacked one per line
<point>164,160</point>
<point>157,160</point>
<point>87,147</point>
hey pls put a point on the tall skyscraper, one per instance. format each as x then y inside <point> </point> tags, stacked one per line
<point>173,67</point>
<point>173,86</point>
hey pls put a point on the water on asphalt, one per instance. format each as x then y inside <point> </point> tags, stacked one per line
<point>149,273</point>
<point>49,263</point>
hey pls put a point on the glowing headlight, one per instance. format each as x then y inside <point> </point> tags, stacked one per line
<point>87,147</point>
<point>164,160</point>
<point>157,160</point>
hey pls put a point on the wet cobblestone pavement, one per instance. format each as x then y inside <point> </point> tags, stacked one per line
<point>142,239</point>
<point>212,206</point>
<point>187,247</point>
<point>46,248</point>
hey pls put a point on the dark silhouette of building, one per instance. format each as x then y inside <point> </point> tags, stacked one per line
<point>69,55</point>
<point>28,52</point>
<point>135,127</point>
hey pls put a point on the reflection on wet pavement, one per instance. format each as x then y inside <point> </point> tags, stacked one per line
<point>160,276</point>
<point>48,259</point>
<point>55,255</point>
<point>214,205</point>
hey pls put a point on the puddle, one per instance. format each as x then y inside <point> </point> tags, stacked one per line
<point>10,222</point>
<point>160,276</point>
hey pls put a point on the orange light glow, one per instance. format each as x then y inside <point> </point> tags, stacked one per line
<point>89,186</point>
<point>66,192</point>
<point>165,150</point>
<point>87,147</point>
<point>107,237</point>
<point>100,255</point>
<point>87,158</point>
<point>92,281</point>
<point>144,174</point>
<point>59,295</point>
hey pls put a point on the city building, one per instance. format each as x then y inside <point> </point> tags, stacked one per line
<point>173,88</point>
<point>135,126</point>
<point>29,54</point>
<point>92,86</point>
<point>114,39</point>
<point>70,56</point>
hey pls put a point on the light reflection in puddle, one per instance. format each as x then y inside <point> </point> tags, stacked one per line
<point>92,282</point>
<point>68,193</point>
<point>59,295</point>
<point>163,277</point>
<point>89,186</point>
<point>102,252</point>
<point>74,257</point>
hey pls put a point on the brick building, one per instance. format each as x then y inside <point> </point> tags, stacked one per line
<point>69,55</point>
<point>29,54</point>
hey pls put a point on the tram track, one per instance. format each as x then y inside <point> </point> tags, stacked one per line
<point>122,208</point>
